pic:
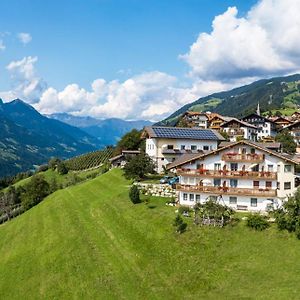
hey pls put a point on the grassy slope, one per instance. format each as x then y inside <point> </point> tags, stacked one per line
<point>89,241</point>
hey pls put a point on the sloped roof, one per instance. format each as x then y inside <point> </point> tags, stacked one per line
<point>239,121</point>
<point>183,133</point>
<point>178,162</point>
<point>291,125</point>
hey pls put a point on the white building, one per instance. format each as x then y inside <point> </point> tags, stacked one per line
<point>236,129</point>
<point>242,175</point>
<point>265,127</point>
<point>165,144</point>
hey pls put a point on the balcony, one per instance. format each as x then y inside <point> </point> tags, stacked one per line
<point>219,190</point>
<point>249,157</point>
<point>227,174</point>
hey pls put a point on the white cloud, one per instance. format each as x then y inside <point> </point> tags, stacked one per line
<point>24,37</point>
<point>26,84</point>
<point>2,46</point>
<point>264,42</point>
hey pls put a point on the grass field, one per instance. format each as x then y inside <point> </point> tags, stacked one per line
<point>90,242</point>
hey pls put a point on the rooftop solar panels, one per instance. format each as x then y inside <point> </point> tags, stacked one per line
<point>185,133</point>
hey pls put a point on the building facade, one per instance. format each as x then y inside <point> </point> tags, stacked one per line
<point>243,176</point>
<point>165,144</point>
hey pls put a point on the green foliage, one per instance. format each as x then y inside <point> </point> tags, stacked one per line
<point>179,224</point>
<point>42,168</point>
<point>34,191</point>
<point>288,217</point>
<point>138,167</point>
<point>130,141</point>
<point>225,135</point>
<point>89,160</point>
<point>134,194</point>
<point>287,141</point>
<point>257,222</point>
<point>53,162</point>
<point>62,169</point>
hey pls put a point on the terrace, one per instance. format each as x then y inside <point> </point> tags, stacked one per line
<point>247,157</point>
<point>226,190</point>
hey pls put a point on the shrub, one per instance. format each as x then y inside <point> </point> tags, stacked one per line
<point>42,168</point>
<point>134,194</point>
<point>179,224</point>
<point>138,167</point>
<point>183,209</point>
<point>257,222</point>
<point>62,169</point>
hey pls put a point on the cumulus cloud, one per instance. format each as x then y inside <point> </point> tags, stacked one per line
<point>24,37</point>
<point>264,42</point>
<point>26,84</point>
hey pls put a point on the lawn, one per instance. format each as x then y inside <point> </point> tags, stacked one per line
<point>89,242</point>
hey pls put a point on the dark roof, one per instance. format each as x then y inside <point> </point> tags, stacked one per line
<point>183,133</point>
<point>240,122</point>
<point>284,156</point>
<point>264,145</point>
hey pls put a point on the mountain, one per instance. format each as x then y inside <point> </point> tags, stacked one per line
<point>27,138</point>
<point>107,131</point>
<point>279,93</point>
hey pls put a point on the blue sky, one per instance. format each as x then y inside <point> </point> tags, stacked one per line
<point>78,42</point>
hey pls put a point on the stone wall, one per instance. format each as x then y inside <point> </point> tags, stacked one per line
<point>158,190</point>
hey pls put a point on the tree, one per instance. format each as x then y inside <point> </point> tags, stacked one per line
<point>34,191</point>
<point>134,194</point>
<point>288,216</point>
<point>6,203</point>
<point>53,162</point>
<point>278,113</point>
<point>179,224</point>
<point>130,141</point>
<point>138,167</point>
<point>61,168</point>
<point>287,141</point>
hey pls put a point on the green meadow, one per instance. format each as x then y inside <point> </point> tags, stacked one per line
<point>90,242</point>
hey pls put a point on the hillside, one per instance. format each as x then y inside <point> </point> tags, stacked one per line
<point>90,242</point>
<point>280,93</point>
<point>28,138</point>
<point>107,131</point>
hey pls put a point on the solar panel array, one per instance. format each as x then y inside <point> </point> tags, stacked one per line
<point>185,133</point>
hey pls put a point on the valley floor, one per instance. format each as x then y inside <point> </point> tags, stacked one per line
<point>90,242</point>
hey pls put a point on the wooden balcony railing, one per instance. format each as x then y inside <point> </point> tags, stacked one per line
<point>227,174</point>
<point>236,157</point>
<point>219,190</point>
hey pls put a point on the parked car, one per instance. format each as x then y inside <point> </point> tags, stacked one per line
<point>165,179</point>
<point>173,180</point>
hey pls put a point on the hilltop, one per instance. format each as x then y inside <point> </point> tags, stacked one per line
<point>280,93</point>
<point>89,241</point>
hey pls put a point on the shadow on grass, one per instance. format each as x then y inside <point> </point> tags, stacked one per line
<point>152,206</point>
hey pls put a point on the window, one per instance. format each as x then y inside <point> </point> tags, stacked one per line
<point>233,166</point>
<point>185,197</point>
<point>213,198</point>
<point>287,168</point>
<point>232,200</point>
<point>255,168</point>
<point>193,147</point>
<point>192,197</point>
<point>182,147</point>
<point>217,182</point>
<point>205,148</point>
<point>278,185</point>
<point>233,182</point>
<point>268,184</point>
<point>162,158</point>
<point>287,185</point>
<point>278,168</point>
<point>253,202</point>
<point>256,184</point>
<point>170,147</point>
<point>217,167</point>
<point>270,168</point>
<point>198,198</point>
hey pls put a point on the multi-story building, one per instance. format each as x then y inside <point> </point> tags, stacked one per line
<point>195,119</point>
<point>265,127</point>
<point>165,144</point>
<point>294,130</point>
<point>237,129</point>
<point>216,120</point>
<point>242,175</point>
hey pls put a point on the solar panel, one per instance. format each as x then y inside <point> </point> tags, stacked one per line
<point>188,133</point>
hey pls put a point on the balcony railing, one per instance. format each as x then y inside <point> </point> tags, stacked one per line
<point>227,174</point>
<point>249,157</point>
<point>219,190</point>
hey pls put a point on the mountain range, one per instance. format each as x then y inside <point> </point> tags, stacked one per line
<point>107,131</point>
<point>280,93</point>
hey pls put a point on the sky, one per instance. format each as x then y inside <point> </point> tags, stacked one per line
<point>140,59</point>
